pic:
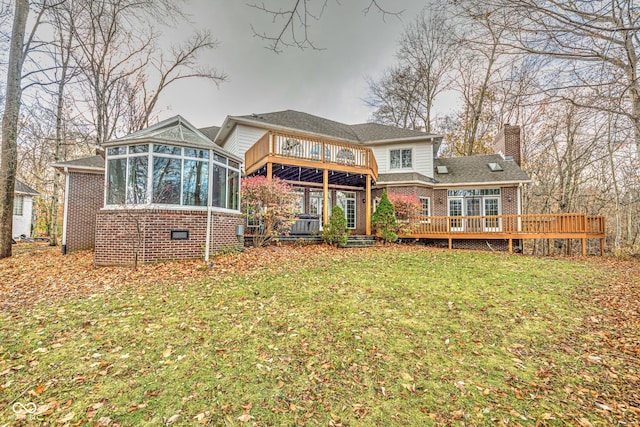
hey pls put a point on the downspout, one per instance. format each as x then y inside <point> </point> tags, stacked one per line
<point>66,211</point>
<point>209,196</point>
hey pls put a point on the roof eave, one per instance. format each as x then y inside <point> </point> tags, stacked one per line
<point>427,138</point>
<point>477,184</point>
<point>63,168</point>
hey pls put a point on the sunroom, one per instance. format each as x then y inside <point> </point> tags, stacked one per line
<point>170,193</point>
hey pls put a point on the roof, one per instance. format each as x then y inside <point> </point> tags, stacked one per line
<point>210,132</point>
<point>174,131</point>
<point>22,188</point>
<point>92,163</point>
<point>475,170</point>
<point>390,178</point>
<point>297,121</point>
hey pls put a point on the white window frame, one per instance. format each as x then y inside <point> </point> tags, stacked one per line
<point>428,200</point>
<point>401,149</point>
<point>347,199</point>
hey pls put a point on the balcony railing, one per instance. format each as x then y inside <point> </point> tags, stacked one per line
<point>508,226</point>
<point>310,150</point>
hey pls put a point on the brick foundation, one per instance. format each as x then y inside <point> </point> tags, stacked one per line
<point>118,238</point>
<point>85,198</point>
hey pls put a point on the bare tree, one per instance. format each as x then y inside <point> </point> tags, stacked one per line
<point>594,44</point>
<point>294,20</point>
<point>405,94</point>
<point>9,159</point>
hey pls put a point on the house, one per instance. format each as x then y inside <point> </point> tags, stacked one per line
<point>172,191</point>
<point>331,163</point>
<point>23,210</point>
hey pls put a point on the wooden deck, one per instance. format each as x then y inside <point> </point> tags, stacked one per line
<point>308,152</point>
<point>510,227</point>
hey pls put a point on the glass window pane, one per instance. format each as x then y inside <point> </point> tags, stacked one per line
<point>133,149</point>
<point>234,190</point>
<point>116,151</point>
<point>116,173</point>
<point>219,186</point>
<point>406,158</point>
<point>167,149</point>
<point>219,158</point>
<point>166,180</point>
<point>395,159</point>
<point>200,154</point>
<point>195,183</point>
<point>233,164</point>
<point>138,176</point>
<point>299,199</point>
<point>18,205</point>
<point>425,206</point>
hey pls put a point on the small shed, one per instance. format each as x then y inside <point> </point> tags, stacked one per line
<point>23,210</point>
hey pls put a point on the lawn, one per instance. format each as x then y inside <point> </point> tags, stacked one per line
<point>319,336</point>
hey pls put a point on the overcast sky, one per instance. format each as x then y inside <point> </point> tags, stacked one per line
<point>330,83</point>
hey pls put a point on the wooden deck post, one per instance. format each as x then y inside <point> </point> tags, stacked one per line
<point>584,246</point>
<point>510,245</point>
<point>269,171</point>
<point>368,205</point>
<point>601,247</point>
<point>325,196</point>
<point>568,247</point>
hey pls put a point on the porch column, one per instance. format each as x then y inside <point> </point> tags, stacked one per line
<point>368,205</point>
<point>269,171</point>
<point>325,196</point>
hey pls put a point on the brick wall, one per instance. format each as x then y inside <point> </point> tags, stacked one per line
<point>85,198</point>
<point>506,194</point>
<point>117,238</point>
<point>507,142</point>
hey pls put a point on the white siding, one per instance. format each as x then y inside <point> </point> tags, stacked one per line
<point>246,137</point>
<point>231,143</point>
<point>22,223</point>
<point>422,158</point>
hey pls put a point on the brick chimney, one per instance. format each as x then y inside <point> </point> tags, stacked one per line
<point>507,142</point>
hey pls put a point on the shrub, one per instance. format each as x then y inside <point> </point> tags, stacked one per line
<point>336,231</point>
<point>270,206</point>
<point>407,208</point>
<point>383,219</point>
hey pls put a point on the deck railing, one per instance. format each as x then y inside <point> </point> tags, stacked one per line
<point>504,226</point>
<point>309,149</point>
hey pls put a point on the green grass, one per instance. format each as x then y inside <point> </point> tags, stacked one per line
<point>380,337</point>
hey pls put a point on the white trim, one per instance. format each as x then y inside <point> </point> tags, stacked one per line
<point>66,207</point>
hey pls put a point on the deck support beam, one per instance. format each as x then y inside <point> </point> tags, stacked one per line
<point>368,206</point>
<point>325,195</point>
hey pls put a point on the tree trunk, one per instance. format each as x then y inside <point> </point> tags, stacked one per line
<point>9,157</point>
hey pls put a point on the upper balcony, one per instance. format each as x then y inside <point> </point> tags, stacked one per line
<point>310,153</point>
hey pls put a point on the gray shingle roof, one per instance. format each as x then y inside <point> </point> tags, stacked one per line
<point>475,169</point>
<point>404,177</point>
<point>23,188</point>
<point>305,122</point>
<point>359,133</point>
<point>92,162</point>
<point>210,132</point>
<point>370,132</point>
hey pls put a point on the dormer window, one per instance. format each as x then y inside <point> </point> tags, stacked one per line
<point>401,158</point>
